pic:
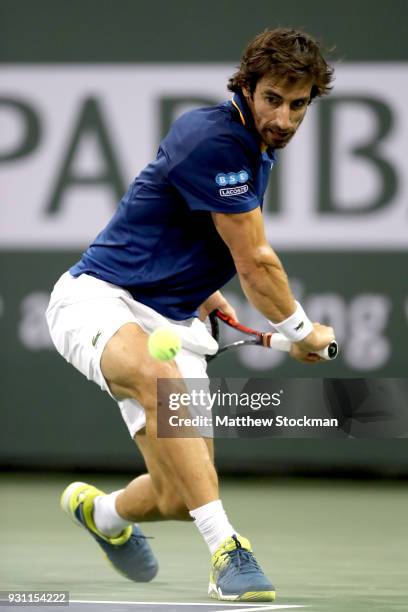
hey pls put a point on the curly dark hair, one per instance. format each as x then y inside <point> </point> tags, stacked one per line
<point>286,53</point>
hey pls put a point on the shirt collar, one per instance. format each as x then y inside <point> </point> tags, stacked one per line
<point>239,102</point>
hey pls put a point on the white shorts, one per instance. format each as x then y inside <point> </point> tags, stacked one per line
<point>85,312</point>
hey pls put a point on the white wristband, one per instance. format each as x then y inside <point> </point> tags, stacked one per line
<point>296,327</point>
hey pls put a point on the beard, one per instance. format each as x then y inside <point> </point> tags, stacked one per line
<point>275,138</point>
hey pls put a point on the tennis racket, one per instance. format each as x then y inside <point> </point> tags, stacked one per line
<point>273,340</point>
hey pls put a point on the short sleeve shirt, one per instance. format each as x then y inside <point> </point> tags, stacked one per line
<point>161,244</point>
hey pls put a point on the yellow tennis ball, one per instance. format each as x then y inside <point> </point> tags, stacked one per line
<point>163,344</point>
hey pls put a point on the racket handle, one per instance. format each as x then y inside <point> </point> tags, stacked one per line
<point>281,343</point>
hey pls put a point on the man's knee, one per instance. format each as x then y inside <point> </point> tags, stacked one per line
<point>145,376</point>
<point>159,383</point>
<point>140,382</point>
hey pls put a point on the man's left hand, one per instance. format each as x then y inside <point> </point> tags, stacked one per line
<point>216,301</point>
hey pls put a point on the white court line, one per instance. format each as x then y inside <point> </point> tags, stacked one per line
<point>232,605</point>
<point>263,607</point>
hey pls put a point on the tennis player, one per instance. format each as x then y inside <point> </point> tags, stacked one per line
<point>189,222</point>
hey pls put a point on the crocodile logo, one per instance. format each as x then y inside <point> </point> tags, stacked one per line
<point>96,338</point>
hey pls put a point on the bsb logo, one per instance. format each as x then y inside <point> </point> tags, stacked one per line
<point>232,178</point>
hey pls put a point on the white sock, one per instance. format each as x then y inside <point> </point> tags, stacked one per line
<point>105,516</point>
<point>213,524</point>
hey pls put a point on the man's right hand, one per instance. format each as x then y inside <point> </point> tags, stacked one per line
<point>305,350</point>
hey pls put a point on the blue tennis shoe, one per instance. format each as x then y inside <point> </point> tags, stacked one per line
<point>129,552</point>
<point>236,575</point>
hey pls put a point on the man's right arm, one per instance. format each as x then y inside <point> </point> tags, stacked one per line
<point>262,276</point>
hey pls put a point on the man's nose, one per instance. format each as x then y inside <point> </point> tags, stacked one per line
<point>283,121</point>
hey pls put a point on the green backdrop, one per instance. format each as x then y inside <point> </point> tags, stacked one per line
<point>50,415</point>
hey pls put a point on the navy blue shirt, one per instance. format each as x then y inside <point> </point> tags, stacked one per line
<point>161,244</point>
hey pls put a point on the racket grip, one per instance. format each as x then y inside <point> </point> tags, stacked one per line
<point>281,343</point>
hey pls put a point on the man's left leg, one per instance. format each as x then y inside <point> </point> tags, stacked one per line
<point>141,501</point>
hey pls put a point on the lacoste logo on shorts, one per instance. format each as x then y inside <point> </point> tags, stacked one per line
<point>96,338</point>
<point>232,191</point>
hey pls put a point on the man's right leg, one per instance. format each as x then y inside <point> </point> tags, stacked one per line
<point>132,373</point>
<point>180,468</point>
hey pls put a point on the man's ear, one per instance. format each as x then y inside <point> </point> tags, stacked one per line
<point>245,90</point>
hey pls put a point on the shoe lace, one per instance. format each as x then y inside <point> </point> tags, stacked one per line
<point>241,559</point>
<point>140,537</point>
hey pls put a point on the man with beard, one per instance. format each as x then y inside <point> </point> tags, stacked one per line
<point>189,222</point>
